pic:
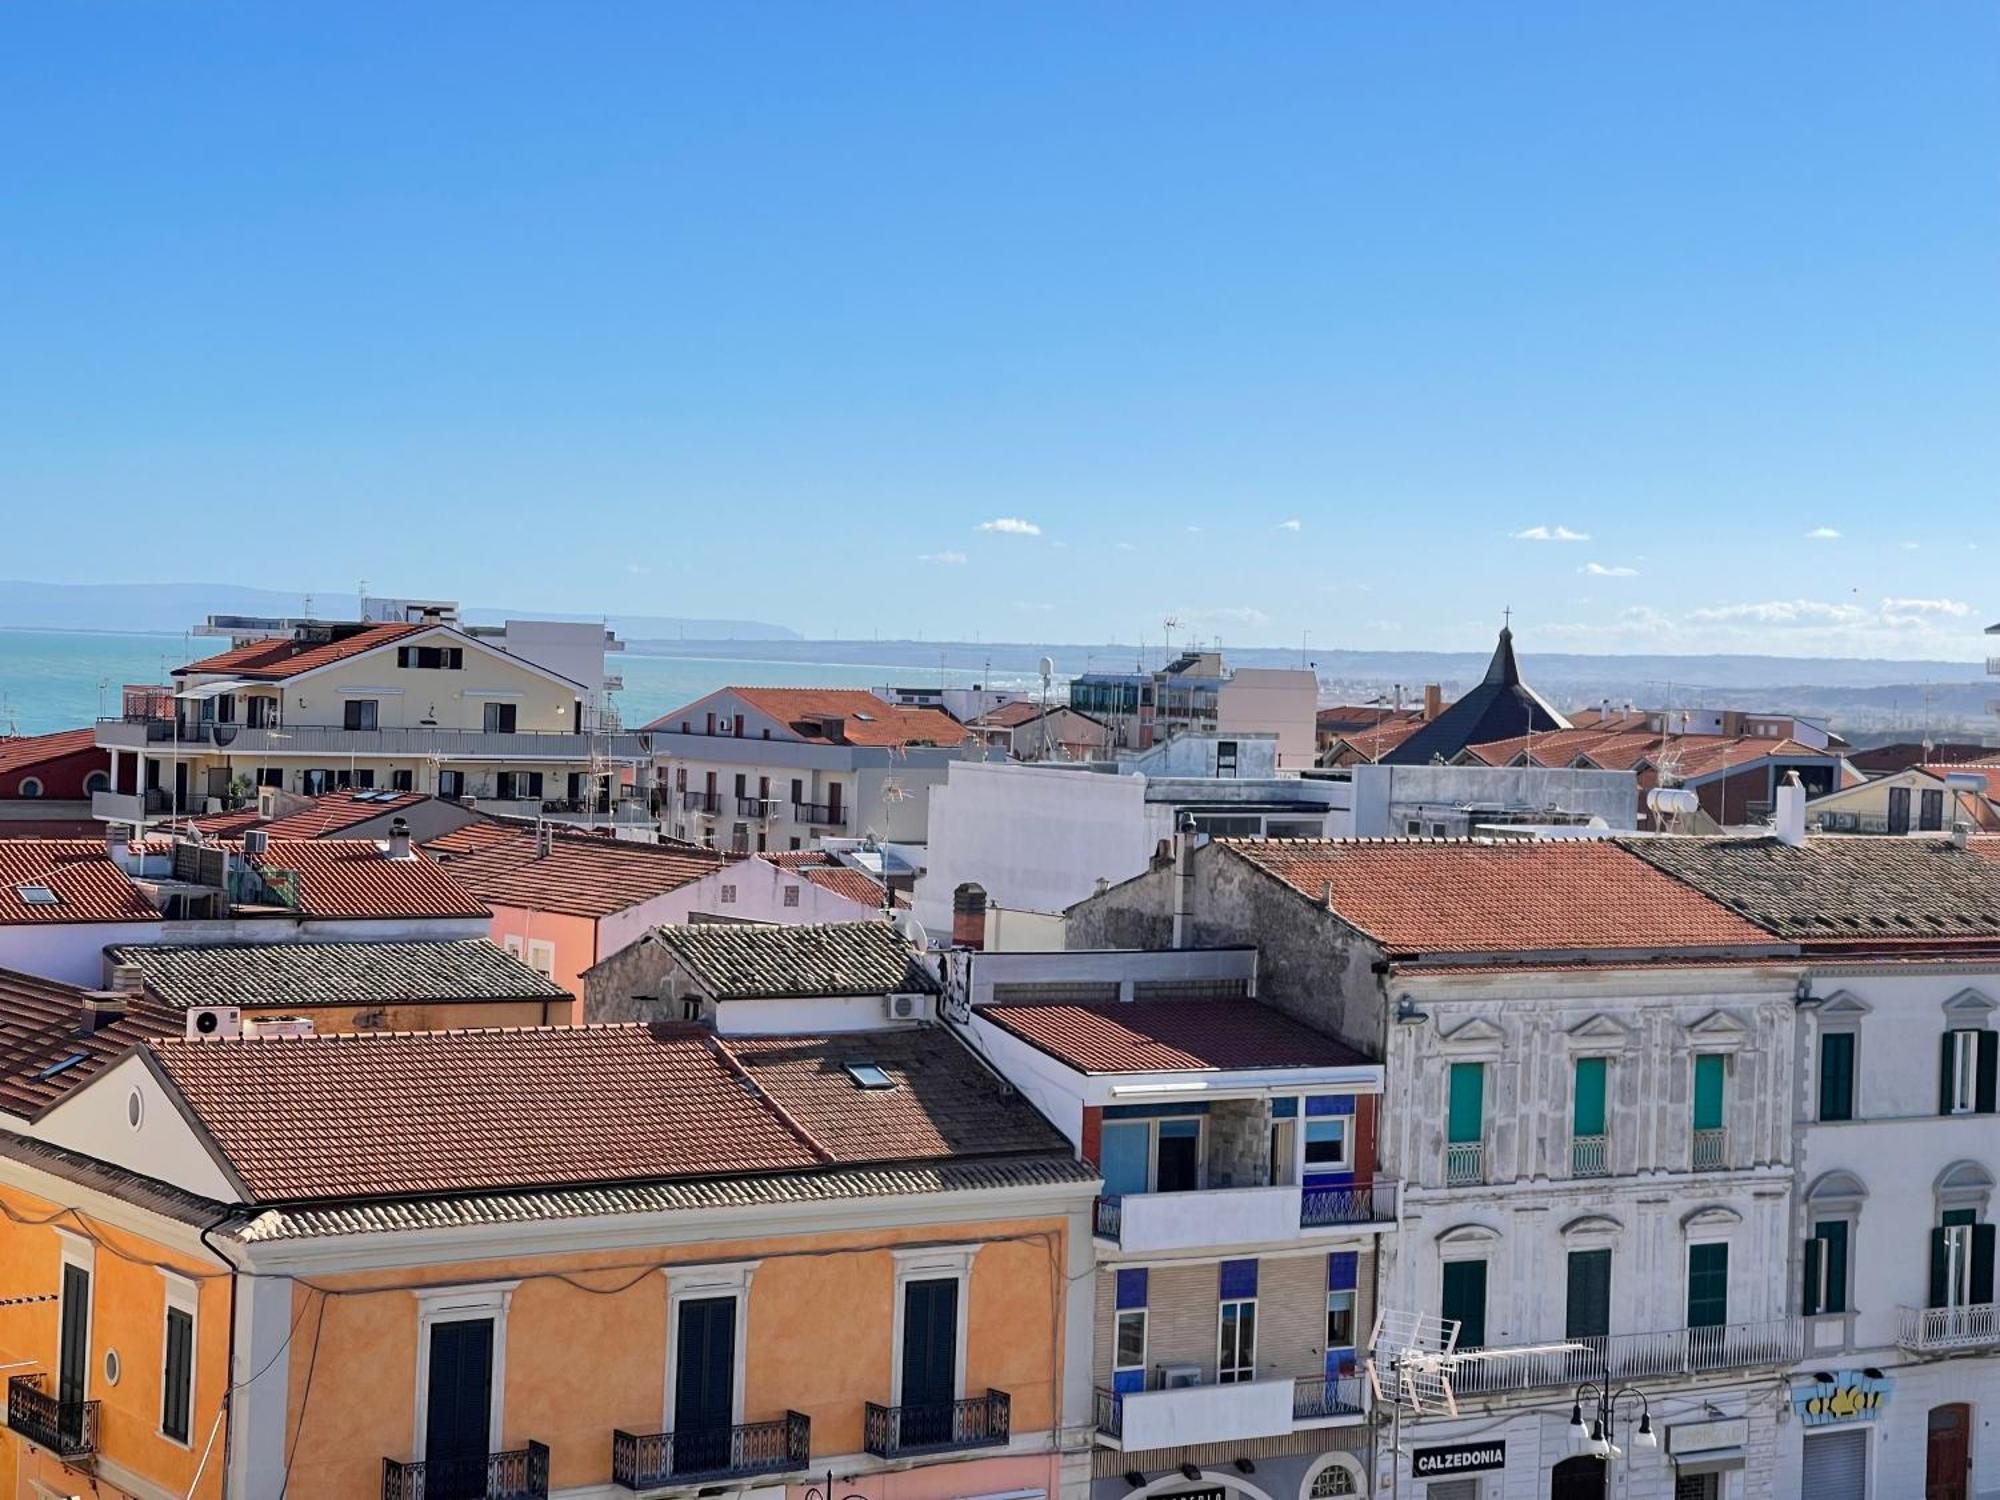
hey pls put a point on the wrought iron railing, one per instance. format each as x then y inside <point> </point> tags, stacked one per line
<point>758,807</point>
<point>821,814</point>
<point>68,1429</point>
<point>1464,1163</point>
<point>1635,1356</point>
<point>1941,1330</point>
<point>1315,1397</point>
<point>1110,1413</point>
<point>1109,1219</point>
<point>517,1474</point>
<point>1369,1203</point>
<point>937,1427</point>
<point>700,801</point>
<point>1590,1156</point>
<point>652,1460</point>
<point>1711,1150</point>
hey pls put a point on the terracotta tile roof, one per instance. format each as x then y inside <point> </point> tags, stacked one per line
<point>473,837</point>
<point>275,660</point>
<point>943,1104</point>
<point>22,751</point>
<point>581,876</point>
<point>1842,889</point>
<point>337,810</point>
<point>352,878</point>
<point>867,719</point>
<point>844,880</point>
<point>1692,755</point>
<point>800,859</point>
<point>1420,896</point>
<point>1375,742</point>
<point>1010,715</point>
<point>1170,1036</point>
<point>44,1056</point>
<point>88,886</point>
<point>223,825</point>
<point>740,962</point>
<point>440,1113</point>
<point>334,973</point>
<point>1339,717</point>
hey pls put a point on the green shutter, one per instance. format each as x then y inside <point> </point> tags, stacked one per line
<point>1708,1285</point>
<point>1587,1115</point>
<point>1465,1300</point>
<point>1468,1103</point>
<point>1945,1047</point>
<point>1830,1237</point>
<point>1815,1256</point>
<point>1988,1073</point>
<point>1982,1263</point>
<point>1940,1270</point>
<point>1708,1091</point>
<point>1836,1075</point>
<point>1588,1315</point>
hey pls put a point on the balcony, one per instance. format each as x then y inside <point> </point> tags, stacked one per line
<point>416,743</point>
<point>68,1429</point>
<point>1464,1163</point>
<point>759,808</point>
<point>649,1462</point>
<point>819,814</point>
<point>1590,1156</point>
<point>1673,1354</point>
<point>1948,1330</point>
<point>131,807</point>
<point>1711,1150</point>
<point>1211,1218</point>
<point>701,802</point>
<point>940,1427</point>
<point>1236,1412</point>
<point>518,1474</point>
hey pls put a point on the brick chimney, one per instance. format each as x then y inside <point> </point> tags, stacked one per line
<point>968,916</point>
<point>1433,701</point>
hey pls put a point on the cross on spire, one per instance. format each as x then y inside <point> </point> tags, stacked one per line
<point>1507,618</point>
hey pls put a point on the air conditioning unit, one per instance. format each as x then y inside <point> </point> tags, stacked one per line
<point>904,1007</point>
<point>1179,1377</point>
<point>204,1021</point>
<point>256,843</point>
<point>279,1026</point>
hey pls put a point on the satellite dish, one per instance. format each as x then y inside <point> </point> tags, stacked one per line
<point>906,923</point>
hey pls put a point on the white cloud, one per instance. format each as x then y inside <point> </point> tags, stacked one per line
<point>1781,612</point>
<point>637,568</point>
<point>1822,534</point>
<point>1194,531</point>
<point>1289,525</point>
<point>1011,526</point>
<point>1956,608</point>
<point>1551,534</point>
<point>1599,570</point>
<point>941,557</point>
<point>1125,547</point>
<point>1240,614</point>
<point>1908,546</point>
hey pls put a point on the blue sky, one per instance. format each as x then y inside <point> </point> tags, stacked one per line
<point>1275,318</point>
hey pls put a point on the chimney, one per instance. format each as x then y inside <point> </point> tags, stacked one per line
<point>127,979</point>
<point>1961,834</point>
<point>1184,837</point>
<point>118,847</point>
<point>1433,701</point>
<point>968,916</point>
<point>545,840</point>
<point>399,838</point>
<point>99,1008</point>
<point>1790,821</point>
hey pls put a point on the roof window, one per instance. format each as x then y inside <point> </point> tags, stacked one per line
<point>62,1065</point>
<point>869,1076</point>
<point>32,893</point>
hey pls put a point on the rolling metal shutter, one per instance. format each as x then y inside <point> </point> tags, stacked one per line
<point>1836,1465</point>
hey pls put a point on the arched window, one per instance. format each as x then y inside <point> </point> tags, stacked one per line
<point>96,781</point>
<point>30,787</point>
<point>1339,1474</point>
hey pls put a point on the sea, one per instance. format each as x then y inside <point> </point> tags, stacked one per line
<point>62,679</point>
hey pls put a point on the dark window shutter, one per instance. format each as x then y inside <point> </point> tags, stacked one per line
<point>1989,1065</point>
<point>1982,1262</point>
<point>1836,1076</point>
<point>1940,1273</point>
<point>1815,1258</point>
<point>1944,1078</point>
<point>178,1375</point>
<point>1588,1314</point>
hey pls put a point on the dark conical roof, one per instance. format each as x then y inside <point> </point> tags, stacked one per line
<point>1500,707</point>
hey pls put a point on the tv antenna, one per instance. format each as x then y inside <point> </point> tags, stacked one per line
<point>1170,624</point>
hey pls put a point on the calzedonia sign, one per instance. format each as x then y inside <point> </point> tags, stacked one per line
<point>1457,1458</point>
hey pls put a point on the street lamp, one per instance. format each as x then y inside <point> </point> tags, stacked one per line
<point>1599,1435</point>
<point>826,1491</point>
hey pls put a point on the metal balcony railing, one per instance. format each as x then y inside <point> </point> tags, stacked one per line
<point>702,802</point>
<point>1316,1397</point>
<point>1711,1150</point>
<point>1945,1330</point>
<point>820,814</point>
<point>68,1429</point>
<point>758,807</point>
<point>1589,1156</point>
<point>518,1474</point>
<point>1636,1356</point>
<point>1371,1203</point>
<point>651,1461</point>
<point>937,1427</point>
<point>1464,1163</point>
<point>1109,1218</point>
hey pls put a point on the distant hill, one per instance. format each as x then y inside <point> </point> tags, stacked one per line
<point>173,607</point>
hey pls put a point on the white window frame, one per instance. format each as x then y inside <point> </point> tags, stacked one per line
<point>450,1305</point>
<point>1256,1327</point>
<point>1964,1070</point>
<point>1351,1299</point>
<point>30,786</point>
<point>542,952</point>
<point>1958,1264</point>
<point>512,942</point>
<point>1152,1125</point>
<point>180,1295</point>
<point>946,1263</point>
<point>702,1284</point>
<point>1118,1317</point>
<point>791,895</point>
<point>1345,1462</point>
<point>80,1252</point>
<point>1346,1162</point>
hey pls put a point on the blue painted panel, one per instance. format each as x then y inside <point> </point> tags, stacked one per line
<point>1340,1362</point>
<point>1330,1104</point>
<point>1284,1109</point>
<point>1126,1382</point>
<point>1123,1153</point>
<point>1179,1129</point>
<point>1131,1288</point>
<point>1154,1111</point>
<point>1329,1179</point>
<point>1239,1278</point>
<point>1343,1270</point>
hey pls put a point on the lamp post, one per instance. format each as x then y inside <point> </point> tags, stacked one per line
<point>1599,1436</point>
<point>825,1491</point>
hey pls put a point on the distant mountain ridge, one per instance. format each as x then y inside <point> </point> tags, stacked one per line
<point>173,607</point>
